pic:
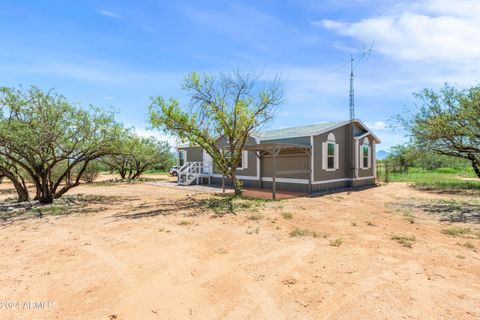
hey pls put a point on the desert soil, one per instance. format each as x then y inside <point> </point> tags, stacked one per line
<point>147,253</point>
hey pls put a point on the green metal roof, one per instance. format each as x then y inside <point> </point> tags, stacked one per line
<point>301,131</point>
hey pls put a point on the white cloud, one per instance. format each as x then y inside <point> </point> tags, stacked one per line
<point>379,125</point>
<point>108,13</point>
<point>433,30</point>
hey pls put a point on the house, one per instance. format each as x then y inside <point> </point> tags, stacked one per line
<point>309,158</point>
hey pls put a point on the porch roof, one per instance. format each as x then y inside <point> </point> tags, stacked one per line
<point>276,146</point>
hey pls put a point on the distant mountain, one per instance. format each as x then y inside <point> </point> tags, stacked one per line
<point>382,154</point>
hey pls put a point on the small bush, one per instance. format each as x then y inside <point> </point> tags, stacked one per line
<point>287,215</point>
<point>404,240</point>
<point>371,224</point>
<point>336,242</point>
<point>184,223</point>
<point>456,231</point>
<point>297,232</point>
<point>409,217</point>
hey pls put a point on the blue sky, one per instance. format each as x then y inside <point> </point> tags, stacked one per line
<point>116,54</point>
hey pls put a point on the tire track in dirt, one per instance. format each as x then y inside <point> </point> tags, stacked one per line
<point>343,297</point>
<point>258,297</point>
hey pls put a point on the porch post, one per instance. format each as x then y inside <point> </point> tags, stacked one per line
<point>309,152</point>
<point>259,164</point>
<point>274,168</point>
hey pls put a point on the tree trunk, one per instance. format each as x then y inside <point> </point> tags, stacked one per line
<point>137,174</point>
<point>20,187</point>
<point>237,185</point>
<point>475,165</point>
<point>46,199</point>
<point>45,194</point>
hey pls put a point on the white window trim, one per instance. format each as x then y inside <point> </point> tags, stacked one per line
<point>334,156</point>
<point>369,159</point>
<point>336,151</point>
<point>184,157</point>
<point>244,160</point>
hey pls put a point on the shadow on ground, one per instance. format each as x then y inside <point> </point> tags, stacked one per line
<point>67,205</point>
<point>467,211</point>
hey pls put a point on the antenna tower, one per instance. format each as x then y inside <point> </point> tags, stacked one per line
<point>365,55</point>
<point>352,93</point>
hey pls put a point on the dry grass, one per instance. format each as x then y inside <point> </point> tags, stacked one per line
<point>299,232</point>
<point>404,240</point>
<point>336,242</point>
<point>456,231</point>
<point>287,215</point>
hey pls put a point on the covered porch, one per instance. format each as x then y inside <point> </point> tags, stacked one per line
<point>275,149</point>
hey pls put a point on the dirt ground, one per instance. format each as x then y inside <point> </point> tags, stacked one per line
<point>148,252</point>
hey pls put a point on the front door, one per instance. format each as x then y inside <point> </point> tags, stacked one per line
<point>207,163</point>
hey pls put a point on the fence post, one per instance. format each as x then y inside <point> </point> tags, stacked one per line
<point>387,178</point>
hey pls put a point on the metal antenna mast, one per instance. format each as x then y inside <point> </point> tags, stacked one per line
<point>365,55</point>
<point>352,96</point>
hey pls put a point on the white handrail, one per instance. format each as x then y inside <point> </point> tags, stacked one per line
<point>189,172</point>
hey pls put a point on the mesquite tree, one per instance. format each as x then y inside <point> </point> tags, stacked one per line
<point>228,105</point>
<point>138,154</point>
<point>448,123</point>
<point>11,172</point>
<point>45,136</point>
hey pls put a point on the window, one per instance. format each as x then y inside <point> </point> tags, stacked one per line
<point>242,164</point>
<point>181,158</point>
<point>331,155</point>
<point>330,158</point>
<point>365,156</point>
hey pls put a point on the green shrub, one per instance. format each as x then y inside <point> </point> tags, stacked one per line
<point>456,231</point>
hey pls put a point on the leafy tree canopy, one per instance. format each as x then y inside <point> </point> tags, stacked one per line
<point>227,105</point>
<point>42,131</point>
<point>138,154</point>
<point>448,123</point>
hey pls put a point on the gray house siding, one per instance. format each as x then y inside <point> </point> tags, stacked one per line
<point>251,169</point>
<point>193,154</point>
<point>344,171</point>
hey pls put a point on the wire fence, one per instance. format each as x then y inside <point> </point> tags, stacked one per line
<point>383,171</point>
